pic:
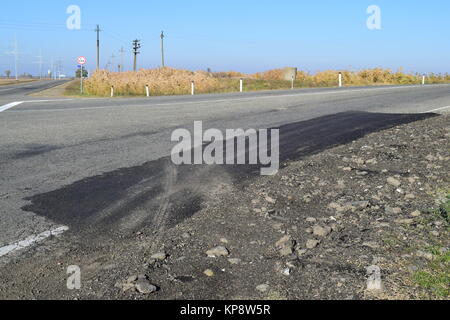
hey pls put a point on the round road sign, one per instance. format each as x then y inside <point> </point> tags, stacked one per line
<point>81,60</point>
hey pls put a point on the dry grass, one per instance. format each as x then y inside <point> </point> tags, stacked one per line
<point>168,81</point>
<point>5,82</point>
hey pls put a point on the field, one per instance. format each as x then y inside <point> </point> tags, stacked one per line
<point>168,81</point>
<point>5,82</point>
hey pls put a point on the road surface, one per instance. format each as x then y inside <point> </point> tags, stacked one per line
<point>21,90</point>
<point>100,167</point>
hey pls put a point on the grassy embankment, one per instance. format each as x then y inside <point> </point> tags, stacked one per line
<point>168,81</point>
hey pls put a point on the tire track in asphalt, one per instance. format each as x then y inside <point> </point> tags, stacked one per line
<point>160,218</point>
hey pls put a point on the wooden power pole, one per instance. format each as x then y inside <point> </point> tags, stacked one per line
<point>162,49</point>
<point>98,46</point>
<point>136,47</point>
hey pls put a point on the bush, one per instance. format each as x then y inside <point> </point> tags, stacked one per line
<point>169,81</point>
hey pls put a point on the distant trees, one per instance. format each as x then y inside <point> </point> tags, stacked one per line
<point>85,73</point>
<point>8,73</point>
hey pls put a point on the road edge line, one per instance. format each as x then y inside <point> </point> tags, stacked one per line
<point>10,105</point>
<point>31,240</point>
<point>438,109</point>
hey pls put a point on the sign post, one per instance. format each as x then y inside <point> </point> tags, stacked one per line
<point>81,61</point>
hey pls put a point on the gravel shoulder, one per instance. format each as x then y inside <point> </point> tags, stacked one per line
<point>55,92</point>
<point>309,232</point>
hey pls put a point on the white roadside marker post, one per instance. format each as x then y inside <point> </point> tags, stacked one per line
<point>193,88</point>
<point>147,90</point>
<point>423,80</point>
<point>340,79</point>
<point>241,87</point>
<point>292,84</point>
<point>112,91</point>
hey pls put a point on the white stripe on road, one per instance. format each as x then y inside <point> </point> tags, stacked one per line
<point>225,100</point>
<point>438,109</point>
<point>10,105</point>
<point>53,100</point>
<point>31,240</point>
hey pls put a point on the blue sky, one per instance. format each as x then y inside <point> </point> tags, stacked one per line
<point>245,36</point>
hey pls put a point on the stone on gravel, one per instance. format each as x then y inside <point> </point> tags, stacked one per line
<point>234,261</point>
<point>404,221</point>
<point>286,272</point>
<point>360,204</point>
<point>394,182</point>
<point>425,255</point>
<point>371,244</point>
<point>263,288</point>
<point>132,279</point>
<point>390,210</point>
<point>285,246</point>
<point>209,273</point>
<point>271,200</point>
<point>320,231</point>
<point>416,214</point>
<point>161,256</point>
<point>218,252</point>
<point>145,287</point>
<point>127,287</point>
<point>312,243</point>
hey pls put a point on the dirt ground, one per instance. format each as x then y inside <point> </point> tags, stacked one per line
<point>310,232</point>
<point>54,92</point>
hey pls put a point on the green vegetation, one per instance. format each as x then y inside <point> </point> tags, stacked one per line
<point>72,88</point>
<point>78,73</point>
<point>436,276</point>
<point>444,209</point>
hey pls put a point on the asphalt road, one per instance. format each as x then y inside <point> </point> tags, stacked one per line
<point>100,167</point>
<point>21,90</point>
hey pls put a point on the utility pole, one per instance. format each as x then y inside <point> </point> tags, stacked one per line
<point>16,59</point>
<point>58,69</point>
<point>162,49</point>
<point>136,47</point>
<point>98,46</point>
<point>113,64</point>
<point>122,51</point>
<point>51,68</point>
<point>40,62</point>
<point>16,53</point>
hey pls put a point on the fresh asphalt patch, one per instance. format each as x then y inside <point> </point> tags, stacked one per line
<point>161,194</point>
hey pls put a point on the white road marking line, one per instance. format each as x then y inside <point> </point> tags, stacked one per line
<point>53,100</point>
<point>31,240</point>
<point>438,109</point>
<point>338,91</point>
<point>10,105</point>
